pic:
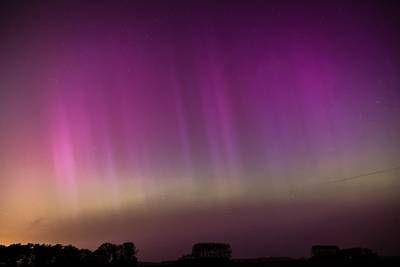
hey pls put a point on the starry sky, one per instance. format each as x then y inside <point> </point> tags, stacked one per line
<point>270,125</point>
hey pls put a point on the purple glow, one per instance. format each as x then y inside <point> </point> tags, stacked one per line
<point>119,119</point>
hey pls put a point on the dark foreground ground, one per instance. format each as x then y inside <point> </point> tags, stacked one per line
<point>278,262</point>
<point>264,262</point>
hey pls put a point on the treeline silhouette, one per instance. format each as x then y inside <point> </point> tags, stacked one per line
<point>202,254</point>
<point>58,255</point>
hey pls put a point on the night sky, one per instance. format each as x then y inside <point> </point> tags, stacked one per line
<point>269,125</point>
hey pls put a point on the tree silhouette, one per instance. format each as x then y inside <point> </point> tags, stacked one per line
<point>106,253</point>
<point>126,253</point>
<point>46,255</point>
<point>212,251</point>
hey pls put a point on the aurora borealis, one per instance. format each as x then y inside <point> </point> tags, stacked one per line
<point>269,125</point>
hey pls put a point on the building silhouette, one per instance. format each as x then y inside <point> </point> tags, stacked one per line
<point>325,251</point>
